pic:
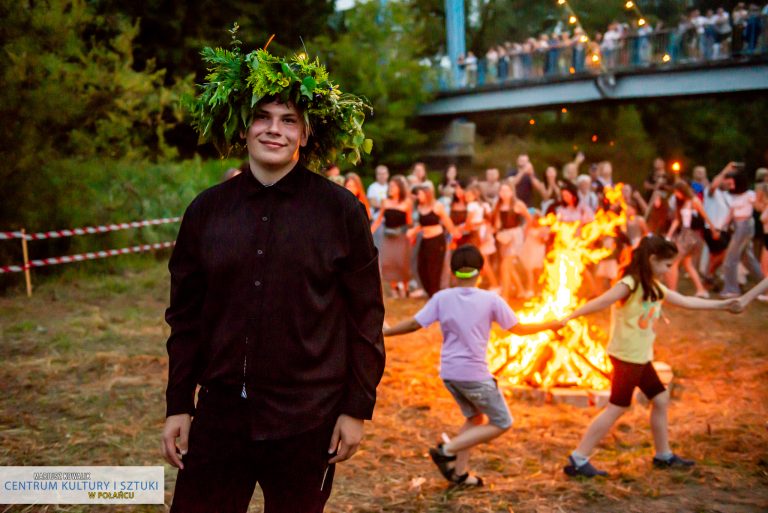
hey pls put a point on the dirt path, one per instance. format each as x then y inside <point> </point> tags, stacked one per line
<point>83,369</point>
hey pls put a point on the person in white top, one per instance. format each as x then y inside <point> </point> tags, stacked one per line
<point>686,238</point>
<point>761,205</point>
<point>717,205</point>
<point>610,44</point>
<point>378,190</point>
<point>477,226</point>
<point>471,69</point>
<point>587,196</point>
<point>723,30</point>
<point>740,246</point>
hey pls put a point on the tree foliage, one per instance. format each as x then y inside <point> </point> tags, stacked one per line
<point>375,54</point>
<point>174,31</point>
<point>68,92</point>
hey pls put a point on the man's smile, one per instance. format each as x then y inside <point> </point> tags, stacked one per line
<point>272,144</point>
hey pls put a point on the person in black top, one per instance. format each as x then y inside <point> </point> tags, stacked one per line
<point>276,312</point>
<point>432,225</point>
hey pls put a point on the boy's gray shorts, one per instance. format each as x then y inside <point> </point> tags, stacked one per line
<point>475,397</point>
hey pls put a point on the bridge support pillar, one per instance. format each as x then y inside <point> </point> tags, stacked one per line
<point>455,32</point>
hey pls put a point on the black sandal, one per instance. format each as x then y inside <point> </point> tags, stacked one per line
<point>441,460</point>
<point>462,480</point>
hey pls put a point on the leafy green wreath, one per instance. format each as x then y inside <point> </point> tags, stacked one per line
<point>237,82</point>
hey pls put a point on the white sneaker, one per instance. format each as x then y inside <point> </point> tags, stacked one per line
<point>763,298</point>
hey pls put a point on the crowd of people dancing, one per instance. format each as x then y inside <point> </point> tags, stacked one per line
<point>491,225</point>
<point>711,35</point>
<point>719,225</point>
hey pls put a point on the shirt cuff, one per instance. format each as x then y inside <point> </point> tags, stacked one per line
<point>358,407</point>
<point>179,403</point>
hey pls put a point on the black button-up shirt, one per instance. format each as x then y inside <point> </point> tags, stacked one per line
<point>276,291</point>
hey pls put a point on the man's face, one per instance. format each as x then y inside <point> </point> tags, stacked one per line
<point>275,135</point>
<point>419,171</point>
<point>570,172</point>
<point>382,174</point>
<point>699,174</point>
<point>522,162</point>
<point>492,175</point>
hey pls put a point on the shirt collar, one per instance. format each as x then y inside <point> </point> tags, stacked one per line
<point>288,184</point>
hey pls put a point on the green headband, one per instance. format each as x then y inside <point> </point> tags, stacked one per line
<point>237,82</point>
<point>466,274</point>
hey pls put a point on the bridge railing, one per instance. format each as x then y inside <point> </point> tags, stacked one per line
<point>664,49</point>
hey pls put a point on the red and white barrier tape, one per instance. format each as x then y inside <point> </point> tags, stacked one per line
<point>86,256</point>
<point>55,234</point>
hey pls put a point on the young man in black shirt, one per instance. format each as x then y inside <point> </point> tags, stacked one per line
<point>276,308</point>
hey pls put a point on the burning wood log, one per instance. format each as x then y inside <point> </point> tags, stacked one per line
<point>545,360</point>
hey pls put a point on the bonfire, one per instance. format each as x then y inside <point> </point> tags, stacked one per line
<point>575,356</point>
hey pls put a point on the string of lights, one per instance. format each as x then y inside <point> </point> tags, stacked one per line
<point>632,6</point>
<point>573,20</point>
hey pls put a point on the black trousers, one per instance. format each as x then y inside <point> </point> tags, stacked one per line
<point>223,465</point>
<point>430,263</point>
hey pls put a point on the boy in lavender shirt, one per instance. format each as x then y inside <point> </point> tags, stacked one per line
<point>465,314</point>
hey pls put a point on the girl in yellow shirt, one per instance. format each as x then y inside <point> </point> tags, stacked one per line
<point>635,303</point>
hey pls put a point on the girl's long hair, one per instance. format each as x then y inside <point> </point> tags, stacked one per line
<point>640,266</point>
<point>496,212</point>
<point>402,187</point>
<point>429,191</point>
<point>354,177</point>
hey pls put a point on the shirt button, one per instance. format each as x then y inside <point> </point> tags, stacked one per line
<point>257,283</point>
<point>259,252</point>
<point>265,218</point>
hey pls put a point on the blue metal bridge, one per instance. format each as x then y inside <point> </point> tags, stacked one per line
<point>638,66</point>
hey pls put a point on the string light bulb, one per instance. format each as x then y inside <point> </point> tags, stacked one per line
<point>676,167</point>
<point>595,58</point>
<point>532,122</point>
<point>666,58</point>
<point>641,22</point>
<point>630,4</point>
<point>584,38</point>
<point>560,2</point>
<point>572,20</point>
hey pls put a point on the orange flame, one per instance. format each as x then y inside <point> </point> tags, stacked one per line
<point>576,356</point>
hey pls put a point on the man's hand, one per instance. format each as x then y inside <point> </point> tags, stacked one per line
<point>346,438</point>
<point>176,426</point>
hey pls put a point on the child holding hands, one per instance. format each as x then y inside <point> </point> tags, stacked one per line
<point>635,303</point>
<point>465,314</point>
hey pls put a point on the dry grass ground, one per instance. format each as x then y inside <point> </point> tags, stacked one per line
<point>83,369</point>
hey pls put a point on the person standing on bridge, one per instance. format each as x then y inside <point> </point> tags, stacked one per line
<point>276,307</point>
